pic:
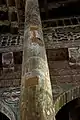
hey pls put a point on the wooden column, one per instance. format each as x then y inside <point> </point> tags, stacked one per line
<point>36,93</point>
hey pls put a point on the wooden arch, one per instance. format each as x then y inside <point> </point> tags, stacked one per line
<point>66,97</point>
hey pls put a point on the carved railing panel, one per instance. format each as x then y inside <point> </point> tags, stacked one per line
<point>62,36</point>
<point>10,43</point>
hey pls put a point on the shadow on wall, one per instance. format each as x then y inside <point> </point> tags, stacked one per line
<point>3,117</point>
<point>70,111</point>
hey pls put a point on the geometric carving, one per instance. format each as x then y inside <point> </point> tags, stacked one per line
<point>10,40</point>
<point>74,56</point>
<point>71,33</point>
<point>7,61</point>
<point>11,95</point>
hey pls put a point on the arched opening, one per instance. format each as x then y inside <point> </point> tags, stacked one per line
<point>3,116</point>
<point>6,112</point>
<point>70,111</point>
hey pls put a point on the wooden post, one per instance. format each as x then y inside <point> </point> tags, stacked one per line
<point>36,93</point>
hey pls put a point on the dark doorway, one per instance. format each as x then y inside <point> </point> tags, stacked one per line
<point>3,117</point>
<point>60,54</point>
<point>71,111</point>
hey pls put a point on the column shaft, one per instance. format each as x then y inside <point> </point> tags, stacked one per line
<point>36,94</point>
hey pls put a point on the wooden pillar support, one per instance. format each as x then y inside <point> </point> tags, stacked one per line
<point>36,94</point>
